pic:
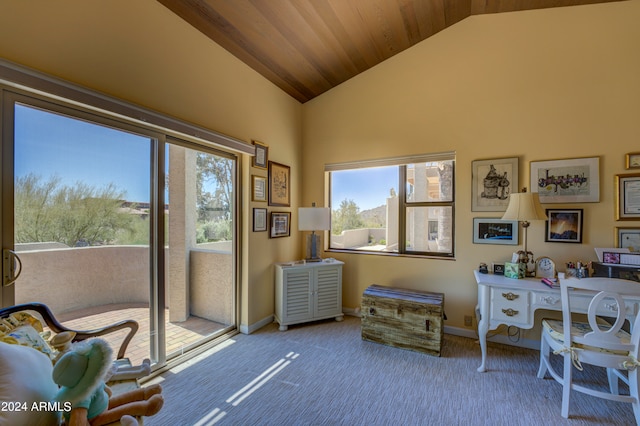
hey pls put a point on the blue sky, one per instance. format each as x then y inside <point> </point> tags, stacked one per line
<point>368,188</point>
<point>49,144</point>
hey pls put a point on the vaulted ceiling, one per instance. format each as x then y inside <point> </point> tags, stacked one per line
<point>306,47</point>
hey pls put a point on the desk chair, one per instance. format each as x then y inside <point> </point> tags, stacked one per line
<point>596,342</point>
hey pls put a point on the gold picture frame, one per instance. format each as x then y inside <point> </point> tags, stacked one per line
<point>279,184</point>
<point>632,160</point>
<point>628,196</point>
<point>261,157</point>
<point>258,188</point>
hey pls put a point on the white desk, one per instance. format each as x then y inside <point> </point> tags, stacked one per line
<point>513,302</point>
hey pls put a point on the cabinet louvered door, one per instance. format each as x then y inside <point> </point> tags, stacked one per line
<point>297,295</point>
<point>328,291</point>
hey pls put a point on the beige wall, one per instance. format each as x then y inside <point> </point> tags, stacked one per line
<point>141,52</point>
<point>539,85</point>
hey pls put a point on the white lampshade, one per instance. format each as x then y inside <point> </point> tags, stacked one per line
<point>314,218</point>
<point>524,207</point>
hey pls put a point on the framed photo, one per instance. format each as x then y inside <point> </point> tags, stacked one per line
<point>633,160</point>
<point>495,231</point>
<point>262,155</point>
<point>567,181</point>
<point>280,224</point>
<point>564,226</point>
<point>258,188</point>
<point>492,181</point>
<point>279,185</point>
<point>628,238</point>
<point>259,220</point>
<point>628,197</point>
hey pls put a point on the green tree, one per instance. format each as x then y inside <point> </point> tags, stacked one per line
<point>346,217</point>
<point>48,211</point>
<point>214,186</point>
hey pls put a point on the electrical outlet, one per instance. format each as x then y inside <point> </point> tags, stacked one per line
<point>468,321</point>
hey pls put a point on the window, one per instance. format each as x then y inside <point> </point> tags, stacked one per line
<point>398,205</point>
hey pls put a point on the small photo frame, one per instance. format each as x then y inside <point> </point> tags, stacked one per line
<point>495,231</point>
<point>632,160</point>
<point>258,188</point>
<point>259,219</point>
<point>492,181</point>
<point>261,158</point>
<point>628,238</point>
<point>280,224</point>
<point>610,257</point>
<point>564,226</point>
<point>628,197</point>
<point>279,185</point>
<point>574,180</point>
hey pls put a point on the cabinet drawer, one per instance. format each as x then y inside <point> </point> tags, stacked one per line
<point>510,306</point>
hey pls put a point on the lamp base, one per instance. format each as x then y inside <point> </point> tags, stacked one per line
<point>313,248</point>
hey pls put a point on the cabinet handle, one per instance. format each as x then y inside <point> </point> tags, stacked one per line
<point>510,312</point>
<point>510,296</point>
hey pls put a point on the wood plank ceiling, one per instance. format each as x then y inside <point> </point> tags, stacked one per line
<point>307,47</point>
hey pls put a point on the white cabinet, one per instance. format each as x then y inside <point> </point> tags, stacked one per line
<point>308,292</point>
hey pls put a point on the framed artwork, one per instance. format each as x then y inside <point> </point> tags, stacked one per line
<point>632,160</point>
<point>258,188</point>
<point>492,181</point>
<point>564,226</point>
<point>280,224</point>
<point>567,181</point>
<point>495,231</point>
<point>279,185</point>
<point>262,155</point>
<point>259,220</point>
<point>628,197</point>
<point>628,238</point>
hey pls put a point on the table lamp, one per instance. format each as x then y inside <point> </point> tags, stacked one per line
<point>524,207</point>
<point>314,219</point>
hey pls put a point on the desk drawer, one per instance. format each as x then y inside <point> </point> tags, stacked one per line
<point>510,306</point>
<point>580,303</point>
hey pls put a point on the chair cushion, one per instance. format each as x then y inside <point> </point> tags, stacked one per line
<point>554,328</point>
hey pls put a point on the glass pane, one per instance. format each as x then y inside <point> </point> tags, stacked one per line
<point>431,181</point>
<point>429,229</point>
<point>200,267</point>
<point>82,204</point>
<point>364,209</point>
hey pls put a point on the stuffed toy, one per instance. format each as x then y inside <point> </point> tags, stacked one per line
<point>81,373</point>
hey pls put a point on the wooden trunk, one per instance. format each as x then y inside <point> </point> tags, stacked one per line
<point>407,319</point>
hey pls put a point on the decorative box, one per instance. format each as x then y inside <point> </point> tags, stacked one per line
<point>514,270</point>
<point>402,318</point>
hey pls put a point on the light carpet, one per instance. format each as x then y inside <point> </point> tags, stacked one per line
<point>323,373</point>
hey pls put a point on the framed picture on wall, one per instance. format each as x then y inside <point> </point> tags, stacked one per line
<point>492,181</point>
<point>628,197</point>
<point>564,226</point>
<point>259,219</point>
<point>632,160</point>
<point>566,181</point>
<point>495,231</point>
<point>628,237</point>
<point>280,224</point>
<point>279,184</point>
<point>258,188</point>
<point>261,157</point>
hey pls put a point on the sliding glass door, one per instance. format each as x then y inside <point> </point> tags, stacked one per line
<point>103,220</point>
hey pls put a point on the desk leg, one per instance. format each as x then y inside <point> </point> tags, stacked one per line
<point>483,329</point>
<point>483,325</point>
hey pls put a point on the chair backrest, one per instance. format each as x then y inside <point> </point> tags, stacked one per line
<point>606,300</point>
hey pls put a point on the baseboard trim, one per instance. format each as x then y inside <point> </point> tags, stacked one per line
<point>248,329</point>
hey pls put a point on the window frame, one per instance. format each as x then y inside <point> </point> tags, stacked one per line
<point>402,164</point>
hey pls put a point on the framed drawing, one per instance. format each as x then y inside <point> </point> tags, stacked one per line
<point>492,181</point>
<point>628,197</point>
<point>279,185</point>
<point>628,238</point>
<point>280,224</point>
<point>259,220</point>
<point>261,157</point>
<point>567,181</point>
<point>495,231</point>
<point>564,226</point>
<point>258,188</point>
<point>632,160</point>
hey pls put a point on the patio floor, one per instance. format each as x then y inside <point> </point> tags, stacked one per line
<point>179,334</point>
